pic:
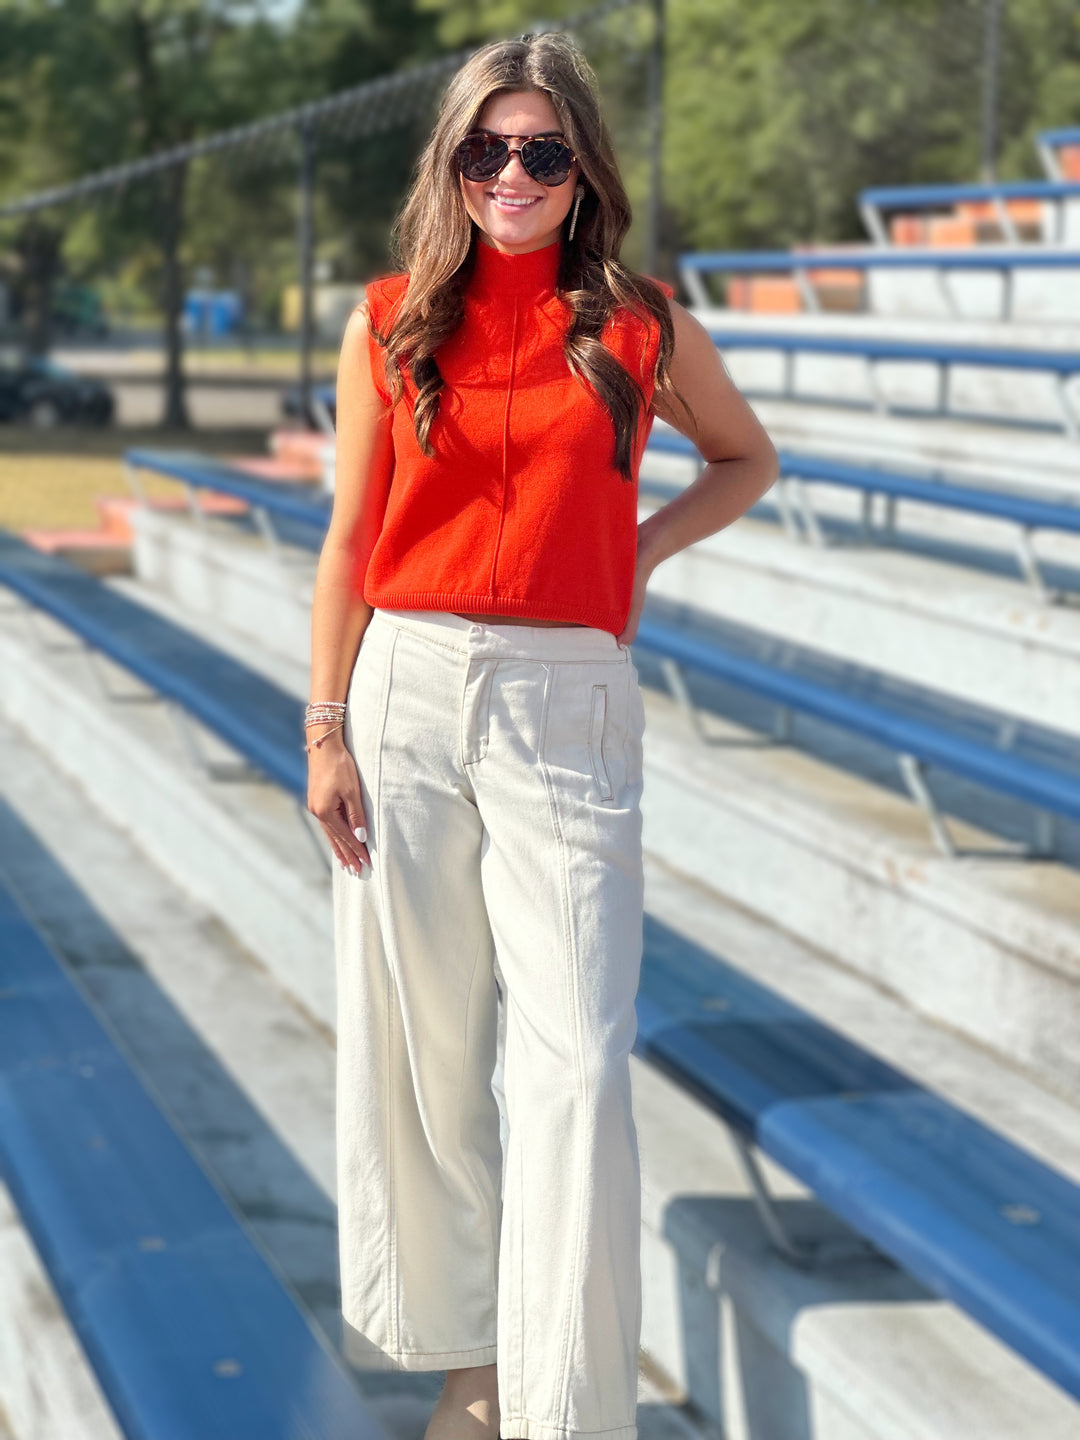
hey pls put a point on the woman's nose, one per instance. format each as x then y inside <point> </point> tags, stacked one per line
<point>515,170</point>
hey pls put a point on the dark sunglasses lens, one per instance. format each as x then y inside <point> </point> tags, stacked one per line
<point>480,157</point>
<point>548,161</point>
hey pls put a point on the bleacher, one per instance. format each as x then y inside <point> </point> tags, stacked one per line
<point>191,1329</point>
<point>856,1077</point>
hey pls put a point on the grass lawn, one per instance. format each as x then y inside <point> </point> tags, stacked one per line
<point>51,479</point>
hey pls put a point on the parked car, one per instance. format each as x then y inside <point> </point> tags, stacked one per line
<point>40,392</point>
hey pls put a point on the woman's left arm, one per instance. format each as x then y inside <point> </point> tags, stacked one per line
<point>741,460</point>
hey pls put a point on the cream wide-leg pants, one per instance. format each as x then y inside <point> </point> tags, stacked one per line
<point>486,1219</point>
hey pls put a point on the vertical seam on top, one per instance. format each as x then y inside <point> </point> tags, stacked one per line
<point>505,446</point>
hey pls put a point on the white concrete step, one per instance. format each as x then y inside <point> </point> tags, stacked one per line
<point>1038,461</point>
<point>942,329</point>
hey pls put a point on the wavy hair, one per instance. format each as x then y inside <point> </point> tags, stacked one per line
<point>433,240</point>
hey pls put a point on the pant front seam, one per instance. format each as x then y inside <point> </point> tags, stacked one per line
<point>562,1394</point>
<point>480,949</point>
<point>393,1318</point>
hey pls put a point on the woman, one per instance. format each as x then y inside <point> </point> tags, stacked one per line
<point>475,750</point>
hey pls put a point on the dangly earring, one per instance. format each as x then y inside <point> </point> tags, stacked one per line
<point>579,191</point>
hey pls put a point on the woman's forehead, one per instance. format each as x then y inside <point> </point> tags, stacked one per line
<point>514,115</point>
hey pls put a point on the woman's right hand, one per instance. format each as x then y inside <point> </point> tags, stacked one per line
<point>334,799</point>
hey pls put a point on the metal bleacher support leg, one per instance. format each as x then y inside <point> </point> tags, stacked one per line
<point>914,772</point>
<point>807,513</point>
<point>77,644</point>
<point>33,618</point>
<point>197,511</point>
<point>1008,224</point>
<point>807,290</point>
<point>948,294</point>
<point>807,1254</point>
<point>299,588</point>
<point>1008,291</point>
<point>866,514</point>
<point>888,520</point>
<point>1046,832</point>
<point>1068,410</point>
<point>943,387</point>
<point>690,275</point>
<point>871,218</point>
<point>265,527</point>
<point>789,515</point>
<point>95,659</point>
<point>673,674</point>
<point>213,769</point>
<point>789,375</point>
<point>1029,564</point>
<point>1048,156</point>
<point>134,480</point>
<point>880,399</point>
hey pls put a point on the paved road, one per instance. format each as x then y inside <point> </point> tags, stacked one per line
<point>220,396</point>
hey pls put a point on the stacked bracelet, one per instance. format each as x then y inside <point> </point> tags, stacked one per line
<point>324,712</point>
<point>319,711</point>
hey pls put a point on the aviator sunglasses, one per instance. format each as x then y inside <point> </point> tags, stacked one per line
<point>481,156</point>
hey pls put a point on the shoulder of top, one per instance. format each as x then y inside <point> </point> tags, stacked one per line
<point>383,292</point>
<point>631,317</point>
<point>388,285</point>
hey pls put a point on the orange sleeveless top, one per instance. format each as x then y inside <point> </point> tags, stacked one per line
<point>521,510</point>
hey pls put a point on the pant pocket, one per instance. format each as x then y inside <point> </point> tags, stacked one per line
<point>598,732</point>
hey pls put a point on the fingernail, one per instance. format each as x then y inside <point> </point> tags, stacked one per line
<point>354,871</point>
<point>360,833</point>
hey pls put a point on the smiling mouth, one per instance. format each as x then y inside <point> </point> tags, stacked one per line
<point>514,202</point>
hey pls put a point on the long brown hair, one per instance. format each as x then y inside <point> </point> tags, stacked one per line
<point>432,238</point>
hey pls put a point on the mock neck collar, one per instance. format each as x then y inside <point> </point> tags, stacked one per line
<point>529,276</point>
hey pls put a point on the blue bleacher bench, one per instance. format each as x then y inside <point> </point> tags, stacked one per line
<point>1027,512</point>
<point>220,692</point>
<point>192,1331</point>
<point>911,198</point>
<point>978,1219</point>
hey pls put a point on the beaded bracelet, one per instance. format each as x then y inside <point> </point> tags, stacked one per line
<point>317,744</point>
<point>320,711</point>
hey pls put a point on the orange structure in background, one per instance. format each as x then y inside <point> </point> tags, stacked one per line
<point>973,222</point>
<point>779,294</point>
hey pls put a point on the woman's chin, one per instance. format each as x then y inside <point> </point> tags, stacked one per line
<point>510,233</point>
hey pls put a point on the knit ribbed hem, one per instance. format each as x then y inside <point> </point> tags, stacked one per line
<point>517,605</point>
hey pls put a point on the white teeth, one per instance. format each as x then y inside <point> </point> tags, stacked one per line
<point>507,200</point>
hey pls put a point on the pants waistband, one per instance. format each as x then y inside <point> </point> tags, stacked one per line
<point>506,642</point>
